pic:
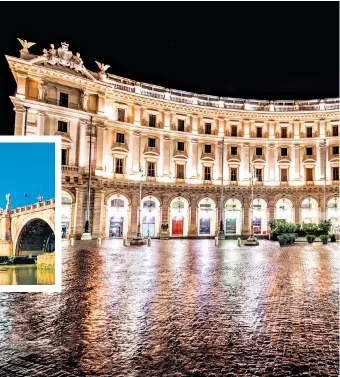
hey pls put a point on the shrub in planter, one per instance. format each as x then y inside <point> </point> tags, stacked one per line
<point>324,227</point>
<point>310,228</point>
<point>282,239</point>
<point>310,238</point>
<point>324,238</point>
<point>332,236</point>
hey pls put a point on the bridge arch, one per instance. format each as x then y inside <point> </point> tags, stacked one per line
<point>36,236</point>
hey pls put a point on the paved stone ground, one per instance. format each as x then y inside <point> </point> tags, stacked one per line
<point>179,308</point>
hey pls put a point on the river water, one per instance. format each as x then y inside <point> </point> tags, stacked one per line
<point>25,275</point>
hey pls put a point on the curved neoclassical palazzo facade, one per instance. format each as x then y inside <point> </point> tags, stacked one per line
<point>182,147</point>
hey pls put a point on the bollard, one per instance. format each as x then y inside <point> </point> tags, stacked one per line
<point>125,241</point>
<point>239,242</point>
<point>216,241</point>
<point>149,241</point>
<point>72,241</point>
<point>99,241</point>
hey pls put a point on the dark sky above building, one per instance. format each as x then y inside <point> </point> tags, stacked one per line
<point>261,50</point>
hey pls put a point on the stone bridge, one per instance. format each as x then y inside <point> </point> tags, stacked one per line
<point>28,230</point>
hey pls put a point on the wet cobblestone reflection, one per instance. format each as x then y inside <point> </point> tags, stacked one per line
<point>179,308</point>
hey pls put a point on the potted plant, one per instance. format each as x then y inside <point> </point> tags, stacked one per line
<point>332,236</point>
<point>310,238</point>
<point>282,239</point>
<point>324,238</point>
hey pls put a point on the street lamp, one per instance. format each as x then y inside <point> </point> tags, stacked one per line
<point>139,236</point>
<point>87,232</point>
<point>252,241</point>
<point>221,234</point>
<point>324,145</point>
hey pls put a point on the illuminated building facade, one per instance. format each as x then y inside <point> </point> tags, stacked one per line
<point>170,142</point>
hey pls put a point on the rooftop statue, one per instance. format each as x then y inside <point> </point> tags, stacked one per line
<point>26,45</point>
<point>63,56</point>
<point>103,67</point>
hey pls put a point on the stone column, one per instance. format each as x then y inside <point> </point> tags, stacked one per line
<point>165,209</point>
<point>137,115</point>
<point>246,226</point>
<point>322,128</point>
<point>134,215</point>
<point>82,144</point>
<point>271,209</point>
<point>193,216</point>
<point>98,225</point>
<point>221,128</point>
<point>19,121</point>
<point>271,132</point>
<point>21,85</point>
<point>194,158</point>
<point>297,173</point>
<point>41,123</point>
<point>80,211</point>
<point>100,147</point>
<point>276,166</point>
<point>135,153</point>
<point>246,128</point>
<point>245,163</point>
<point>167,120</point>
<point>166,156</point>
<point>297,210</point>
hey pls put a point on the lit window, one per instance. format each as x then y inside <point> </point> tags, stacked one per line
<point>233,130</point>
<point>207,129</point>
<point>233,174</point>
<point>258,131</point>
<point>309,174</point>
<point>121,115</point>
<point>207,173</point>
<point>180,171</point>
<point>151,143</point>
<point>335,130</point>
<point>309,131</point>
<point>63,99</point>
<point>180,124</point>
<point>120,138</point>
<point>284,132</point>
<point>258,175</point>
<point>258,151</point>
<point>62,126</point>
<point>233,151</point>
<point>151,169</point>
<point>336,150</point>
<point>207,148</point>
<point>336,174</point>
<point>152,120</point>
<point>284,175</point>
<point>119,166</point>
<point>180,146</point>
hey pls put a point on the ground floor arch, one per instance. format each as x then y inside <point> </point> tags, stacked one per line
<point>35,237</point>
<point>259,216</point>
<point>117,216</point>
<point>333,213</point>
<point>150,216</point>
<point>179,217</point>
<point>284,210</point>
<point>233,216</point>
<point>206,217</point>
<point>309,211</point>
<point>66,214</point>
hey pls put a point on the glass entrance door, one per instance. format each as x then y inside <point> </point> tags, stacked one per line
<point>116,227</point>
<point>230,226</point>
<point>148,226</point>
<point>205,226</point>
<point>177,226</point>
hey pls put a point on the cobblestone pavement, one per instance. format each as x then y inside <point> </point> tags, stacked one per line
<point>179,308</point>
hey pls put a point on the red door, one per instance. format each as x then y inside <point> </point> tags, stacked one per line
<point>177,227</point>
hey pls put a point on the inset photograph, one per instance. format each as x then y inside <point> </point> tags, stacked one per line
<point>29,202</point>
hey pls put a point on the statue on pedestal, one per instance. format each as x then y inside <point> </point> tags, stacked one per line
<point>8,199</point>
<point>42,91</point>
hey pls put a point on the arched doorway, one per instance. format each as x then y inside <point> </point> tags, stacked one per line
<point>333,213</point>
<point>66,213</point>
<point>117,216</point>
<point>259,217</point>
<point>309,211</point>
<point>179,217</point>
<point>233,216</point>
<point>36,237</point>
<point>284,210</point>
<point>206,217</point>
<point>150,215</point>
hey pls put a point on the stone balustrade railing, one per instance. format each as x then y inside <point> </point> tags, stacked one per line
<point>50,203</point>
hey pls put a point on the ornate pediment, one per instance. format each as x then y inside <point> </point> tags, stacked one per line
<point>63,57</point>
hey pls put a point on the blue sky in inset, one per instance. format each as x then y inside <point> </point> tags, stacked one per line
<point>26,168</point>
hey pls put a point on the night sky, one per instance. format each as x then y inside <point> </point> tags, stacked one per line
<point>261,50</point>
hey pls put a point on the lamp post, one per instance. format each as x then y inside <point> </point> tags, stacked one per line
<point>251,241</point>
<point>25,126</point>
<point>221,234</point>
<point>324,145</point>
<point>139,236</point>
<point>87,233</point>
